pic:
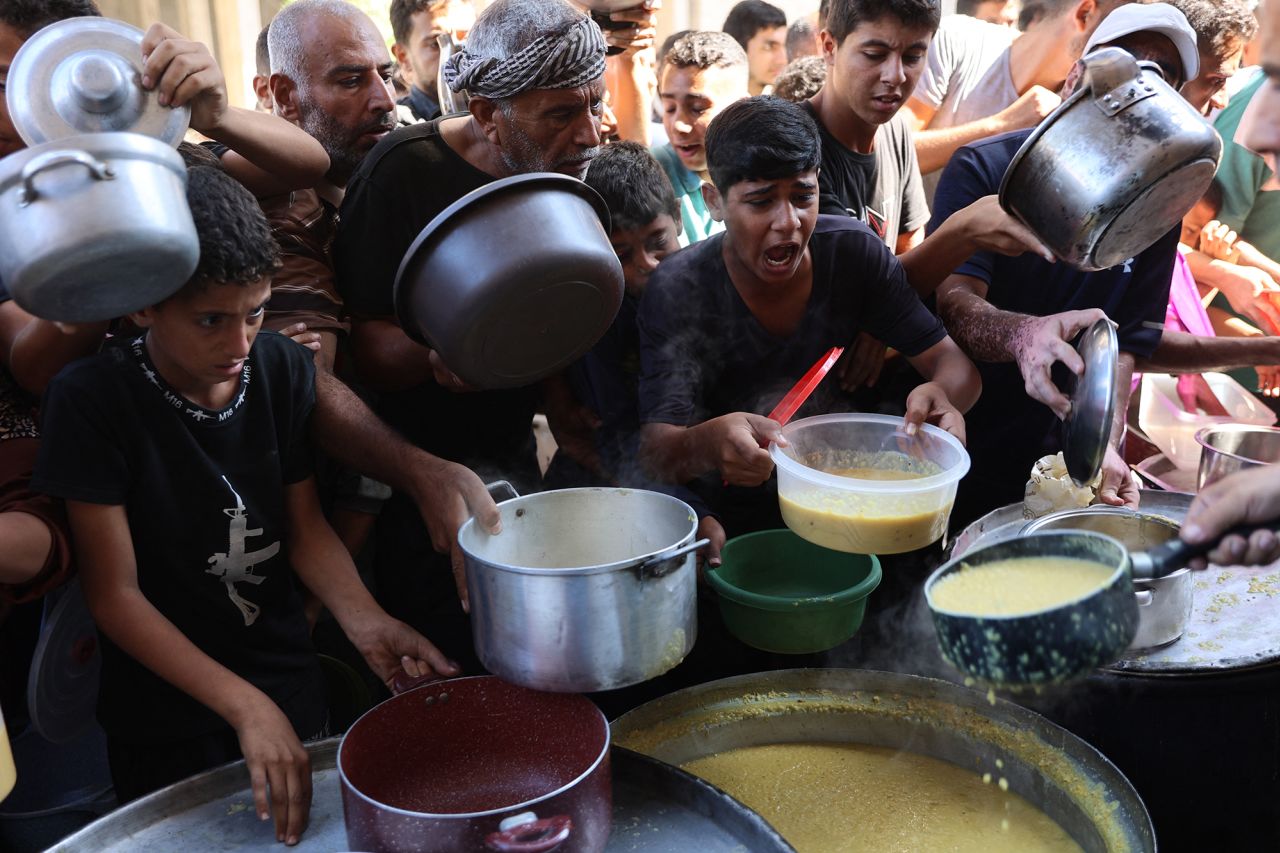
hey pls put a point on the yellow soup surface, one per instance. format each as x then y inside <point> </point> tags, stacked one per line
<point>1018,586</point>
<point>846,797</point>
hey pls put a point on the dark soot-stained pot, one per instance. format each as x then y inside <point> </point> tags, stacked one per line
<point>1051,645</point>
<point>477,764</point>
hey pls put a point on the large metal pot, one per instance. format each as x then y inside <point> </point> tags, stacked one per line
<point>1114,167</point>
<point>477,764</point>
<point>584,589</point>
<point>1052,769</point>
<point>514,281</point>
<point>95,226</point>
<point>1164,604</point>
<point>1229,448</point>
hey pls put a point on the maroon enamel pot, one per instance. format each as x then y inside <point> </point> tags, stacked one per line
<point>477,764</point>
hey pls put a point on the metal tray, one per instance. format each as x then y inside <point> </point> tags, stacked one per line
<point>656,809</point>
<point>1235,620</point>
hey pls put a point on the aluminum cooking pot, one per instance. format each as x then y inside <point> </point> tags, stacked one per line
<point>1114,167</point>
<point>584,589</point>
<point>1051,768</point>
<point>477,764</point>
<point>95,226</point>
<point>1229,448</point>
<point>514,281</point>
<point>1164,604</point>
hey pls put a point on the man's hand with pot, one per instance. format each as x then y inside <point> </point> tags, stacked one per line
<point>739,441</point>
<point>1040,342</point>
<point>1247,497</point>
<point>184,73</point>
<point>447,494</point>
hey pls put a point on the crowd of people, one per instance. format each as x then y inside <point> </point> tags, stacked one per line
<point>268,449</point>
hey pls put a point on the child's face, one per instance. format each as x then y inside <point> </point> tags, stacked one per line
<point>10,41</point>
<point>768,223</point>
<point>875,69</point>
<point>199,339</point>
<point>691,98</point>
<point>640,250</point>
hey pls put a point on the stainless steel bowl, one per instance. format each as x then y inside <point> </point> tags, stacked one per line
<point>1164,604</point>
<point>1228,448</point>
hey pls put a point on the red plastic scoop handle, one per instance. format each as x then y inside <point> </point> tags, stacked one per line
<point>794,399</point>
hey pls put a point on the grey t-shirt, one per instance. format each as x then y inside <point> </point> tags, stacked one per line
<point>966,75</point>
<point>881,189</point>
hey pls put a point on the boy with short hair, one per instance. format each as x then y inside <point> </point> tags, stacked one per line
<point>761,29</point>
<point>701,74</point>
<point>727,326</point>
<point>184,458</point>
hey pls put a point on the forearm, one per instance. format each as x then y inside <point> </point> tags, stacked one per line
<point>629,85</point>
<point>143,633</point>
<point>1249,254</point>
<point>1125,368</point>
<point>675,454</point>
<point>930,261</point>
<point>348,430</point>
<point>41,349</point>
<point>983,331</point>
<point>387,358</point>
<point>956,375</point>
<point>268,154</point>
<point>1180,352</point>
<point>322,563</point>
<point>935,147</point>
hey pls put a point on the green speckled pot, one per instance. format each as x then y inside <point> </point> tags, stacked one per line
<point>1050,646</point>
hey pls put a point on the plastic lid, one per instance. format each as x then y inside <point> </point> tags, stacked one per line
<point>84,75</point>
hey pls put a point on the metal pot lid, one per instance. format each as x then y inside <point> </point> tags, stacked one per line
<point>84,75</point>
<point>1087,428</point>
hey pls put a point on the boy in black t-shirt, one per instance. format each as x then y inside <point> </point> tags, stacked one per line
<point>727,326</point>
<point>182,454</point>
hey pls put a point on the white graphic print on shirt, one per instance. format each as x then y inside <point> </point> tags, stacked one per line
<point>236,565</point>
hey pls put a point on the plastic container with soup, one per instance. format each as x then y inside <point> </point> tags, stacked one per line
<point>857,483</point>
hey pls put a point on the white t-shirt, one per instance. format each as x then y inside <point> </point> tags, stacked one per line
<point>966,75</point>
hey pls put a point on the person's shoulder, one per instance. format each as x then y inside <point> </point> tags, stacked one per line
<point>846,235</point>
<point>274,351</point>
<point>96,375</point>
<point>685,272</point>
<point>993,154</point>
<point>404,147</point>
<point>960,31</point>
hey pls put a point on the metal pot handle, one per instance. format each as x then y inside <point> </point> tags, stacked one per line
<point>501,490</point>
<point>403,682</point>
<point>1144,596</point>
<point>1115,80</point>
<point>52,159</point>
<point>526,833</point>
<point>661,565</point>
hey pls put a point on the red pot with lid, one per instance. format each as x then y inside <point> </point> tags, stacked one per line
<point>477,764</point>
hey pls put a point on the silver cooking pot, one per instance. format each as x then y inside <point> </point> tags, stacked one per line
<point>1164,604</point>
<point>584,589</point>
<point>1114,167</point>
<point>95,226</point>
<point>1228,448</point>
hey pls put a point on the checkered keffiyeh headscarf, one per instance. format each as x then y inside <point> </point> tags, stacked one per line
<point>551,62</point>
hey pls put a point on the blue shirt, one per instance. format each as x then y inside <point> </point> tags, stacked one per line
<point>1007,430</point>
<point>696,223</point>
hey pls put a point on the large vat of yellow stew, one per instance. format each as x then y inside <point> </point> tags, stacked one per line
<point>845,760</point>
<point>857,483</point>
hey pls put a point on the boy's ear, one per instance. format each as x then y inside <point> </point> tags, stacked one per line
<point>715,203</point>
<point>142,319</point>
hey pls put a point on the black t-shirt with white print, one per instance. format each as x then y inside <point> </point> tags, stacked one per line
<point>204,494</point>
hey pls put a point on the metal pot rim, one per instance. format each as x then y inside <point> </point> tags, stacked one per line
<point>117,145</point>
<point>349,785</point>
<point>1202,436</point>
<point>579,571</point>
<point>954,565</point>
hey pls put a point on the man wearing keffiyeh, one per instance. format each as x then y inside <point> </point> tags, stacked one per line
<point>534,71</point>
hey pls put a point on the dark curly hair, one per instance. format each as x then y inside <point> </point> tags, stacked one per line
<point>1225,26</point>
<point>761,139</point>
<point>706,49</point>
<point>27,16</point>
<point>801,79</point>
<point>236,246</point>
<point>844,16</point>
<point>633,185</point>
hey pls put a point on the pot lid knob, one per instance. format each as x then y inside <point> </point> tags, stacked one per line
<point>97,81</point>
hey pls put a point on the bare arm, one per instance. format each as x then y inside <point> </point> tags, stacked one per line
<point>945,365</point>
<point>446,493</point>
<point>1180,352</point>
<point>733,444</point>
<point>935,147</point>
<point>387,358</point>
<point>43,348</point>
<point>268,154</point>
<point>108,572</point>
<point>320,561</point>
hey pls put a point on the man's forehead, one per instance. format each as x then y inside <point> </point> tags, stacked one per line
<point>892,31</point>
<point>338,45</point>
<point>592,91</point>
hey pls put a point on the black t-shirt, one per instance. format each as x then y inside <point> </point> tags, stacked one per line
<point>882,189</point>
<point>1007,430</point>
<point>406,180</point>
<point>704,354</point>
<point>204,495</point>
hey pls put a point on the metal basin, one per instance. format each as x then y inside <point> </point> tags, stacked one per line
<point>1229,448</point>
<point>1164,604</point>
<point>1052,769</point>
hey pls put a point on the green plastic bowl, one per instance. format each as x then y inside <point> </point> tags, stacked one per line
<point>781,593</point>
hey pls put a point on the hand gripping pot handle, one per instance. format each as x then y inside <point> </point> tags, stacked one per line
<point>661,565</point>
<point>525,833</point>
<point>51,160</point>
